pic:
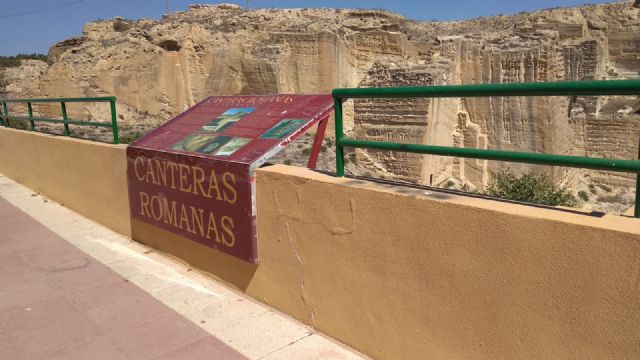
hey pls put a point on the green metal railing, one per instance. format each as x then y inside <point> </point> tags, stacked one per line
<point>6,117</point>
<point>567,88</point>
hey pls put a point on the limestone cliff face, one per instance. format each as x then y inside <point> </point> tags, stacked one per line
<point>159,68</point>
<point>594,42</point>
<point>23,80</point>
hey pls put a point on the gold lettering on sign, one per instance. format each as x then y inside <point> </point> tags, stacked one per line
<point>172,167</point>
<point>184,219</point>
<point>253,100</point>
<point>151,176</point>
<point>161,170</point>
<point>198,180</point>
<point>135,168</point>
<point>156,208</point>
<point>170,213</point>
<point>227,226</point>
<point>144,204</point>
<point>192,180</point>
<point>213,185</point>
<point>227,178</point>
<point>197,220</point>
<point>184,178</point>
<point>212,227</point>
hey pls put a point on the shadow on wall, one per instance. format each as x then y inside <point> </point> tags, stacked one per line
<point>444,194</point>
<point>232,270</point>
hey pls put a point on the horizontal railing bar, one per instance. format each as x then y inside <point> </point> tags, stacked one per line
<point>60,121</point>
<point>561,88</point>
<point>88,99</point>
<point>63,109</point>
<point>501,155</point>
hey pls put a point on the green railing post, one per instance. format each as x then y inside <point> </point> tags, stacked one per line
<point>114,121</point>
<point>63,106</point>
<point>337,107</point>
<point>30,108</point>
<point>5,109</point>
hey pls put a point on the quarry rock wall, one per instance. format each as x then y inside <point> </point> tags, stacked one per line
<point>159,68</point>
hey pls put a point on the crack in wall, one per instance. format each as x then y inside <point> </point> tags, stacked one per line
<point>303,294</point>
<point>297,215</point>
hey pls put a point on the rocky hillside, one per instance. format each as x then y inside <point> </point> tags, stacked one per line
<point>158,68</point>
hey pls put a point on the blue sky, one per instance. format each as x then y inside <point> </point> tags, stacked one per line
<point>36,31</point>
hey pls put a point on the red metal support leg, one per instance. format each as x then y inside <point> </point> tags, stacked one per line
<point>317,143</point>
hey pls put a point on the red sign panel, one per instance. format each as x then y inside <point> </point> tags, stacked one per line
<point>193,176</point>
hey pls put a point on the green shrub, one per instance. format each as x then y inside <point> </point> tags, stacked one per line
<point>605,188</point>
<point>529,187</point>
<point>119,25</point>
<point>583,195</point>
<point>130,137</point>
<point>9,61</point>
<point>13,61</point>
<point>353,158</point>
<point>306,151</point>
<point>20,124</point>
<point>592,189</point>
<point>33,56</point>
<point>287,161</point>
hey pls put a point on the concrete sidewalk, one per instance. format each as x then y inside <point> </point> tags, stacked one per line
<point>72,289</point>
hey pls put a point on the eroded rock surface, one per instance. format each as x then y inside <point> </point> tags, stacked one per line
<point>158,68</point>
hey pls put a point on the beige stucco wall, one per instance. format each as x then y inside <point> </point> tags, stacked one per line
<point>86,176</point>
<point>396,272</point>
<point>400,273</point>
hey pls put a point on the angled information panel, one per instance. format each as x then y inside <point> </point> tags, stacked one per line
<point>193,176</point>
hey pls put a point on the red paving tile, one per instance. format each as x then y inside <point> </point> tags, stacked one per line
<point>15,270</point>
<point>12,222</point>
<point>108,294</point>
<point>49,259</point>
<point>56,302</point>
<point>127,313</point>
<point>27,240</point>
<point>76,275</point>
<point>35,315</point>
<point>25,292</point>
<point>8,351</point>
<point>69,333</point>
<point>96,349</point>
